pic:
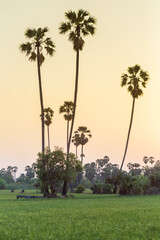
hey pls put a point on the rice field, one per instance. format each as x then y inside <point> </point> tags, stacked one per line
<point>82,217</point>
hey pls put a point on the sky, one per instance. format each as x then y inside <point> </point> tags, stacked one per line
<point>127,33</point>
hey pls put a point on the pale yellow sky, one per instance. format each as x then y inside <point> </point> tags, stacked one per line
<point>128,33</point>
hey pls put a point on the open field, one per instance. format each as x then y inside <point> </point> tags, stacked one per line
<point>85,217</point>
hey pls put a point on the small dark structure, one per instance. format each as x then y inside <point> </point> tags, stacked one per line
<point>22,191</point>
<point>28,196</point>
<point>12,190</point>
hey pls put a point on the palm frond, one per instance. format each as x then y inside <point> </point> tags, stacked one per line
<point>49,42</point>
<point>64,27</point>
<point>70,15</point>
<point>124,79</point>
<point>136,68</point>
<point>82,13</point>
<point>49,50</point>
<point>33,56</point>
<point>72,36</point>
<point>130,70</point>
<point>130,88</point>
<point>90,20</point>
<point>143,84</point>
<point>84,32</point>
<point>90,29</point>
<point>144,75</point>
<point>140,92</point>
<point>26,47</point>
<point>40,33</point>
<point>30,33</point>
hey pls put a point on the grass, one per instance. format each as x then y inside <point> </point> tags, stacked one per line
<point>85,217</point>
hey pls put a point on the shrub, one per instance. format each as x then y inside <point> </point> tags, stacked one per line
<point>133,185</point>
<point>2,184</point>
<point>80,188</point>
<point>107,188</point>
<point>97,188</point>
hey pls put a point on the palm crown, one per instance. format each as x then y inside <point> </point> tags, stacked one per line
<point>67,109</point>
<point>135,78</point>
<point>77,25</point>
<point>38,41</point>
<point>82,134</point>
<point>48,113</point>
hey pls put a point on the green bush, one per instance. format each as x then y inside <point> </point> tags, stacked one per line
<point>133,185</point>
<point>80,188</point>
<point>107,188</point>
<point>97,188</point>
<point>102,188</point>
<point>2,184</point>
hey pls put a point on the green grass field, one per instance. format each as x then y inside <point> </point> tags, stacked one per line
<point>85,217</point>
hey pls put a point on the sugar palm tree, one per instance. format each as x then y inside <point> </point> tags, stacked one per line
<point>82,134</point>
<point>67,109</point>
<point>48,114</point>
<point>34,50</point>
<point>77,25</point>
<point>134,80</point>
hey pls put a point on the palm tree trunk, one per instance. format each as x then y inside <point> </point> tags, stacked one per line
<point>75,98</point>
<point>67,136</point>
<point>133,104</point>
<point>82,156</point>
<point>81,174</point>
<point>48,137</point>
<point>41,97</point>
<point>64,190</point>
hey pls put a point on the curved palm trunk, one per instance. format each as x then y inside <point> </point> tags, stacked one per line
<point>48,137</point>
<point>41,97</point>
<point>133,104</point>
<point>64,190</point>
<point>75,98</point>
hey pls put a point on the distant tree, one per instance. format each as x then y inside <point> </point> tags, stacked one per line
<point>34,50</point>
<point>21,178</point>
<point>133,79</point>
<point>29,172</point>
<point>48,114</point>
<point>151,160</point>
<point>7,174</point>
<point>83,135</point>
<point>145,160</point>
<point>67,109</point>
<point>77,25</point>
<point>90,171</point>
<point>134,168</point>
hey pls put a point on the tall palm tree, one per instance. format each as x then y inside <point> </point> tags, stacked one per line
<point>82,135</point>
<point>77,25</point>
<point>134,79</point>
<point>34,50</point>
<point>67,109</point>
<point>48,114</point>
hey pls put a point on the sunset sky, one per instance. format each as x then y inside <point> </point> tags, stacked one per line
<point>128,33</point>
